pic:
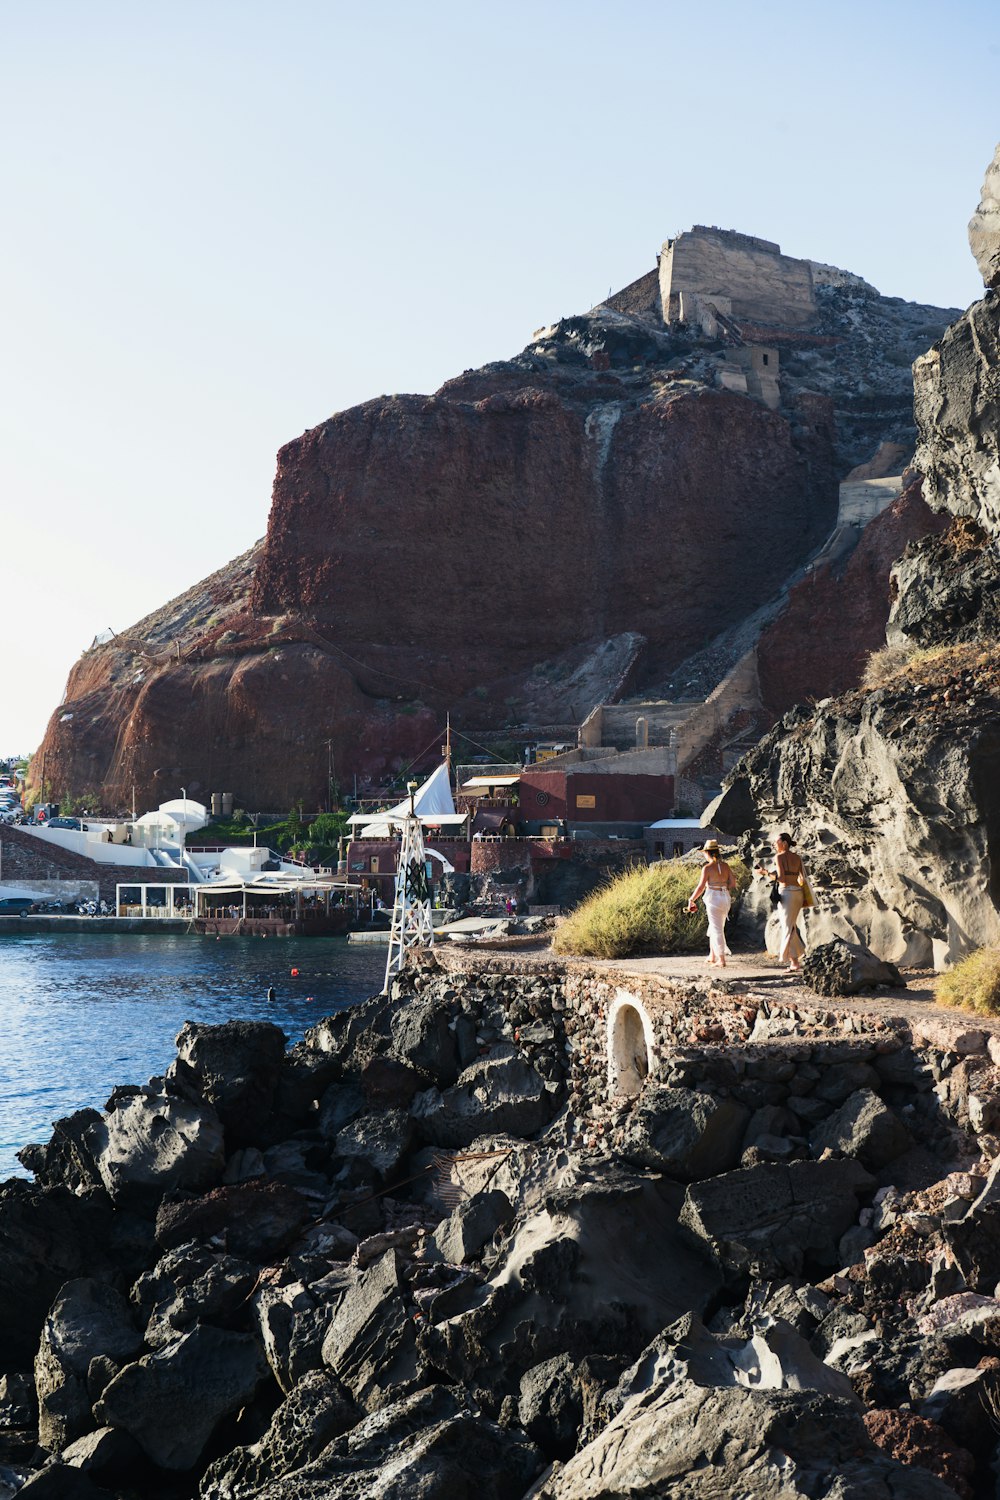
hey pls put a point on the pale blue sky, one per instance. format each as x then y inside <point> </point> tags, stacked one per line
<point>225,221</point>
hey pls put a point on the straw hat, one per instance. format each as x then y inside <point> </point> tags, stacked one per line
<point>711,846</point>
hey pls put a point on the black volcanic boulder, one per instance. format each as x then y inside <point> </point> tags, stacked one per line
<point>770,1219</point>
<point>431,1445</point>
<point>47,1236</point>
<point>500,1092</point>
<point>234,1067</point>
<point>863,1127</point>
<point>67,1158</point>
<point>256,1219</point>
<point>171,1401</point>
<point>315,1412</point>
<point>842,968</point>
<point>685,1134</point>
<point>87,1319</point>
<point>687,1430</point>
<point>371,1342</point>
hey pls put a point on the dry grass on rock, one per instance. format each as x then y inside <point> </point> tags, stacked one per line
<point>973,984</point>
<point>641,911</point>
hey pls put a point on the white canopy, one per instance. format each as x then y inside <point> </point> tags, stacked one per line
<point>432,802</point>
<point>478,781</point>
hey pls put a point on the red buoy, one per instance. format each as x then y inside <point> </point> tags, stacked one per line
<point>295,973</point>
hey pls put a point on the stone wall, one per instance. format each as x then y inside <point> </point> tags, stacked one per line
<point>744,277</point>
<point>26,858</point>
<point>788,1065</point>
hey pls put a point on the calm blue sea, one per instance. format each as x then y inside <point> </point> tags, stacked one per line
<point>81,1013</point>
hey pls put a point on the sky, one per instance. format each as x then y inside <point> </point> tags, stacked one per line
<point>225,220</point>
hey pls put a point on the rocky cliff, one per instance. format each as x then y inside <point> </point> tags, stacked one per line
<point>894,792</point>
<point>499,549</point>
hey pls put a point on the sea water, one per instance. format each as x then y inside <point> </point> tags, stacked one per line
<point>81,1012</point>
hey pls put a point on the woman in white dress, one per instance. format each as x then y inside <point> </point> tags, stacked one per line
<point>716,884</point>
<point>789,873</point>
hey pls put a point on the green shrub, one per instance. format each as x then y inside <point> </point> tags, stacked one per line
<point>641,911</point>
<point>973,984</point>
<point>327,828</point>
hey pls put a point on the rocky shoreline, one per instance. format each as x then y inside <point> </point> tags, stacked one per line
<point>518,1230</point>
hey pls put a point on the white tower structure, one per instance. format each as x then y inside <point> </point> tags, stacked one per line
<point>412,926</point>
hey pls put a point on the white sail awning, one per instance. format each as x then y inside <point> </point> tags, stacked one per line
<point>432,802</point>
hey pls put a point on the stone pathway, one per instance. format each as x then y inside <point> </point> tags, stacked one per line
<point>760,976</point>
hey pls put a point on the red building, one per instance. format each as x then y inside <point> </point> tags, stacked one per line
<point>604,793</point>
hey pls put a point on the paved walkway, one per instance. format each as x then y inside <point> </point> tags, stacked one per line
<point>759,976</point>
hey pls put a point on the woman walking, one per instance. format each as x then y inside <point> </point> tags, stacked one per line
<point>789,873</point>
<point>716,883</point>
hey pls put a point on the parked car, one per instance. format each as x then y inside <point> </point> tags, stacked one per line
<point>15,906</point>
<point>63,823</point>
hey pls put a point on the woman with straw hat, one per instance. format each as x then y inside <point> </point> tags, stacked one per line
<point>716,884</point>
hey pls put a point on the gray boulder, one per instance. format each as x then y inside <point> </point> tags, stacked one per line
<point>375,1144</point>
<point>865,1128</point>
<point>597,1268</point>
<point>423,1037</point>
<point>341,1103</point>
<point>315,1412</point>
<point>428,1446</point>
<point>48,1236</point>
<point>371,1343</point>
<point>842,968</point>
<point>171,1401</point>
<point>984,226</point>
<point>498,1093</point>
<point>688,1135</point>
<point>550,1405</point>
<point>218,1294</point>
<point>67,1158</point>
<point>681,1440</point>
<point>769,1219</point>
<point>293,1319</point>
<point>471,1226</point>
<point>235,1068</point>
<point>87,1319</point>
<point>62,1482</point>
<point>109,1456</point>
<point>975,1238</point>
<point>152,1143</point>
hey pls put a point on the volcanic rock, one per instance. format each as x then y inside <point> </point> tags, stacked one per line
<point>233,1067</point>
<point>499,1092</point>
<point>769,1219</point>
<point>984,226</point>
<point>171,1401</point>
<point>596,1268</point>
<point>473,1223</point>
<point>428,1444</point>
<point>686,1391</point>
<point>865,1128</point>
<point>684,1134</point>
<point>375,1144</point>
<point>47,1237</point>
<point>841,968</point>
<point>371,1342</point>
<point>87,1319</point>
<point>152,1143</point>
<point>253,1219</point>
<point>315,1412</point>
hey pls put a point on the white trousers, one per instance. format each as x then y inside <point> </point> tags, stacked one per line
<point>717,904</point>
